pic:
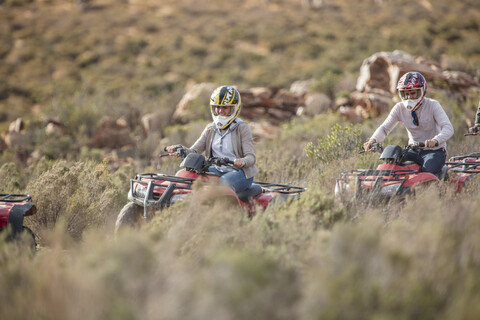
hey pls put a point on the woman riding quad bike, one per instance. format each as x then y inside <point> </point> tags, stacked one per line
<point>152,192</point>
<point>228,145</point>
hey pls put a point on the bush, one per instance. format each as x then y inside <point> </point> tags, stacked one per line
<point>83,195</point>
<point>341,143</point>
<point>11,180</point>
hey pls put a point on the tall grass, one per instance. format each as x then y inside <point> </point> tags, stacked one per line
<point>299,260</point>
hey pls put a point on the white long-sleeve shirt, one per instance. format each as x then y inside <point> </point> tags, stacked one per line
<point>433,123</point>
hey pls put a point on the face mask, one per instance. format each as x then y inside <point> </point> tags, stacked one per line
<point>411,104</point>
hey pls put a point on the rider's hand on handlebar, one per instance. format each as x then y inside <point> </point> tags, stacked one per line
<point>474,129</point>
<point>173,150</point>
<point>239,163</point>
<point>368,145</point>
<point>432,143</point>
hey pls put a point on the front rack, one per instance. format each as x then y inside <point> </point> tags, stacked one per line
<point>148,198</point>
<point>165,177</point>
<point>470,156</point>
<point>280,188</point>
<point>388,175</point>
<point>187,182</point>
<point>462,165</point>
<point>377,177</point>
<point>13,197</point>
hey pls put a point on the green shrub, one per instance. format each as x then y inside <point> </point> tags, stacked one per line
<point>11,179</point>
<point>83,194</point>
<point>341,143</point>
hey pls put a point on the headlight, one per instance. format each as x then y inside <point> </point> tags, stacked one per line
<point>178,197</point>
<point>140,191</point>
<point>390,189</point>
<point>341,187</point>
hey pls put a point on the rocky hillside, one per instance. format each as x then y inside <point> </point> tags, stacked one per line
<point>80,67</point>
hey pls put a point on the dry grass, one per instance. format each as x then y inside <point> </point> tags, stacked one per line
<point>300,260</point>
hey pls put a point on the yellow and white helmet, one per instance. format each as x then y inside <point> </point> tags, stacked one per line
<point>225,96</point>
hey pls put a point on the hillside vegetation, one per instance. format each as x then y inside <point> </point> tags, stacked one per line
<point>315,258</point>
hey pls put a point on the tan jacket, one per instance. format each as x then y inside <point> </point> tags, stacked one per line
<point>242,141</point>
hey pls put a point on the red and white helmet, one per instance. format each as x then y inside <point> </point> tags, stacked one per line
<point>408,82</point>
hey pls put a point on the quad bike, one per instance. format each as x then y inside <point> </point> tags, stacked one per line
<point>394,177</point>
<point>150,192</point>
<point>13,209</point>
<point>464,168</point>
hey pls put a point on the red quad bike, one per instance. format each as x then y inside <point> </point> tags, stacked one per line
<point>13,209</point>
<point>462,169</point>
<point>150,192</point>
<point>394,177</point>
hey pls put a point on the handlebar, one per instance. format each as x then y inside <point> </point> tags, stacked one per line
<point>220,161</point>
<point>473,131</point>
<point>375,147</point>
<point>418,145</point>
<point>179,150</point>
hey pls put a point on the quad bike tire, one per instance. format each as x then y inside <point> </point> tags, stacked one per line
<point>24,239</point>
<point>130,216</point>
<point>32,242</point>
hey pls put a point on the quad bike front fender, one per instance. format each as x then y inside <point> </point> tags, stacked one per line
<point>421,177</point>
<point>13,215</point>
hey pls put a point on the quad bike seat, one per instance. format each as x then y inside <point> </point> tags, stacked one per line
<point>250,192</point>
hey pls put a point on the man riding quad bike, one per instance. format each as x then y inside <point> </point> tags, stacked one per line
<point>396,176</point>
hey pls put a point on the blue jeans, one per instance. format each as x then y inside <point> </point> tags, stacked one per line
<point>430,160</point>
<point>236,180</point>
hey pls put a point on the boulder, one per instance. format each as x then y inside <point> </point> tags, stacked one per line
<point>195,104</point>
<point>316,103</point>
<point>273,105</point>
<point>54,127</point>
<point>16,136</point>
<point>155,122</point>
<point>111,134</point>
<point>16,126</point>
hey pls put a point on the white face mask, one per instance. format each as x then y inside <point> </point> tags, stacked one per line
<point>223,121</point>
<point>411,104</point>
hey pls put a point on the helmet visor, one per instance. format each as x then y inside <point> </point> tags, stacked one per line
<point>224,110</point>
<point>410,94</point>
